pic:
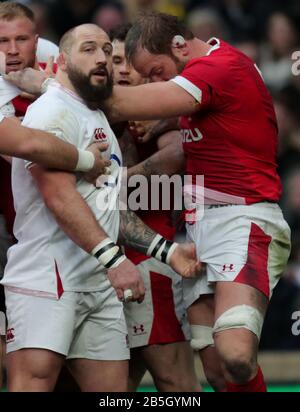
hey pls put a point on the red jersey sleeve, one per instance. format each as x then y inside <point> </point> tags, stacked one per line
<point>193,81</point>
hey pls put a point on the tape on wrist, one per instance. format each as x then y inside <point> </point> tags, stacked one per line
<point>161,249</point>
<point>108,253</point>
<point>85,162</point>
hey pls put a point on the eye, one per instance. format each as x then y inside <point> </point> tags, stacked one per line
<point>117,60</point>
<point>108,51</point>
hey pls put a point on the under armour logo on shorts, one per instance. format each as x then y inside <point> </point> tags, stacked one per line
<point>10,336</point>
<point>228,268</point>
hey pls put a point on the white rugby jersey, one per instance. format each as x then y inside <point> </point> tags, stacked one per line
<point>45,261</point>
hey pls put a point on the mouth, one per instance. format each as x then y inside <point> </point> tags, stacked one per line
<point>13,64</point>
<point>99,73</point>
<point>124,82</point>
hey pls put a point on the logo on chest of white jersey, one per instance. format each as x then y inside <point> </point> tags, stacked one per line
<point>99,135</point>
<point>191,135</point>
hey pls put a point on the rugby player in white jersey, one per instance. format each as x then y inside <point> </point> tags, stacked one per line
<point>60,300</point>
<point>20,48</point>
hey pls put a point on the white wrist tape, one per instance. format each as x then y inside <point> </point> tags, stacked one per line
<point>161,249</point>
<point>86,161</point>
<point>108,253</point>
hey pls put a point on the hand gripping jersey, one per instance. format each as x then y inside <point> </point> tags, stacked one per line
<point>232,139</point>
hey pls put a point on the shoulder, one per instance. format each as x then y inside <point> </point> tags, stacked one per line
<point>51,111</point>
<point>219,68</point>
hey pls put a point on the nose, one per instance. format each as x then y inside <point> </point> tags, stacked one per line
<point>124,68</point>
<point>101,57</point>
<point>13,48</point>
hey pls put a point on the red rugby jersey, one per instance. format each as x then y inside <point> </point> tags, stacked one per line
<point>232,139</point>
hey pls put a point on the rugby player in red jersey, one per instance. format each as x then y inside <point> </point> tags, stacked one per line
<point>229,136</point>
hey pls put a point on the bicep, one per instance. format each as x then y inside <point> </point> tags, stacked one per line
<point>152,101</point>
<point>52,183</point>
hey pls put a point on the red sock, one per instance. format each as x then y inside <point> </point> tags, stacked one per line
<point>257,384</point>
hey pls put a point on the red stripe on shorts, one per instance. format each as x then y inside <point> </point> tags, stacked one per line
<point>166,327</point>
<point>60,289</point>
<point>255,272</point>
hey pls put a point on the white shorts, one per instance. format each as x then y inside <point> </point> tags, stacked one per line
<point>245,244</point>
<point>161,317</point>
<point>87,325</point>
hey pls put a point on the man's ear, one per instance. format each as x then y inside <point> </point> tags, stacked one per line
<point>179,46</point>
<point>61,61</point>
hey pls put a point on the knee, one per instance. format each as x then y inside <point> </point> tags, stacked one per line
<point>240,369</point>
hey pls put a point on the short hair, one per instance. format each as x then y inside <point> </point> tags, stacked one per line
<point>154,32</point>
<point>120,32</point>
<point>12,10</point>
<point>67,40</point>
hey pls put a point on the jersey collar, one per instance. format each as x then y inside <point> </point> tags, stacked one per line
<point>215,43</point>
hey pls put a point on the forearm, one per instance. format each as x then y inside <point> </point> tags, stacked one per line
<point>128,149</point>
<point>134,233</point>
<point>159,163</point>
<point>77,220</point>
<point>152,101</point>
<point>49,151</point>
<point>164,126</point>
<point>37,146</point>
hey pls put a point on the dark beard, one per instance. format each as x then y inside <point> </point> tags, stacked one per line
<point>92,95</point>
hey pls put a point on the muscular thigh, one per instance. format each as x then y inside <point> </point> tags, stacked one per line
<point>33,369</point>
<point>229,294</point>
<point>172,357</point>
<point>100,376</point>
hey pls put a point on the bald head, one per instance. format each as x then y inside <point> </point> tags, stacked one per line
<point>80,33</point>
<point>85,63</point>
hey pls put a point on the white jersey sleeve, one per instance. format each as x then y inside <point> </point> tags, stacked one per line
<point>46,49</point>
<point>57,120</point>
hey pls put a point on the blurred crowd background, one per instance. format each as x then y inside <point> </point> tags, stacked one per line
<point>269,32</point>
